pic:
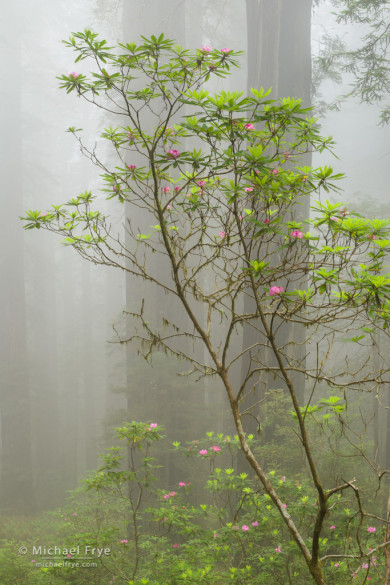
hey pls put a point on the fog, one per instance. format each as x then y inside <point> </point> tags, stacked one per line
<point>66,380</point>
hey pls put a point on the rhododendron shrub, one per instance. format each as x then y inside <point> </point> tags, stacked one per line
<point>217,192</point>
<point>158,535</point>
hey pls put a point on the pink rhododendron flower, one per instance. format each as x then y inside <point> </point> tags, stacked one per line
<point>153,425</point>
<point>275,290</point>
<point>215,535</point>
<point>245,528</point>
<point>255,523</point>
<point>371,237</point>
<point>336,565</point>
<point>284,506</point>
<point>182,483</point>
<point>226,50</point>
<point>205,49</point>
<point>177,189</point>
<point>249,127</point>
<point>275,172</point>
<point>248,189</point>
<point>124,541</point>
<point>116,188</point>
<point>332,527</point>
<point>215,448</point>
<point>74,514</point>
<point>176,545</point>
<point>173,153</point>
<point>69,556</point>
<point>266,220</point>
<point>365,566</point>
<point>168,207</point>
<point>166,496</point>
<point>371,529</point>
<point>296,234</point>
<point>201,183</point>
<point>283,478</point>
<point>333,218</point>
<point>278,549</point>
<point>203,452</point>
<point>131,167</point>
<point>74,75</point>
<point>222,234</point>
<point>173,494</point>
<point>166,189</point>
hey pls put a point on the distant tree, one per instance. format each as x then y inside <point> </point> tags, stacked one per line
<point>369,64</point>
<point>216,212</point>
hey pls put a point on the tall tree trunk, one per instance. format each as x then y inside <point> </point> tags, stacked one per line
<point>279,56</point>
<point>16,483</point>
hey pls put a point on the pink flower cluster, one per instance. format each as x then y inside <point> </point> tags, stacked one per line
<point>166,189</point>
<point>74,75</point>
<point>276,290</point>
<point>249,127</point>
<point>248,189</point>
<point>205,49</point>
<point>297,234</point>
<point>173,153</point>
<point>183,483</point>
<point>170,495</point>
<point>132,167</point>
<point>226,50</point>
<point>152,426</point>
<point>214,448</point>
<point>371,529</point>
<point>124,541</point>
<point>222,234</point>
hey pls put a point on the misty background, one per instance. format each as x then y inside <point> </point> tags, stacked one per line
<point>65,381</point>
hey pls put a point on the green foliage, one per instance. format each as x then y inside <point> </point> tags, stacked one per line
<point>160,537</point>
